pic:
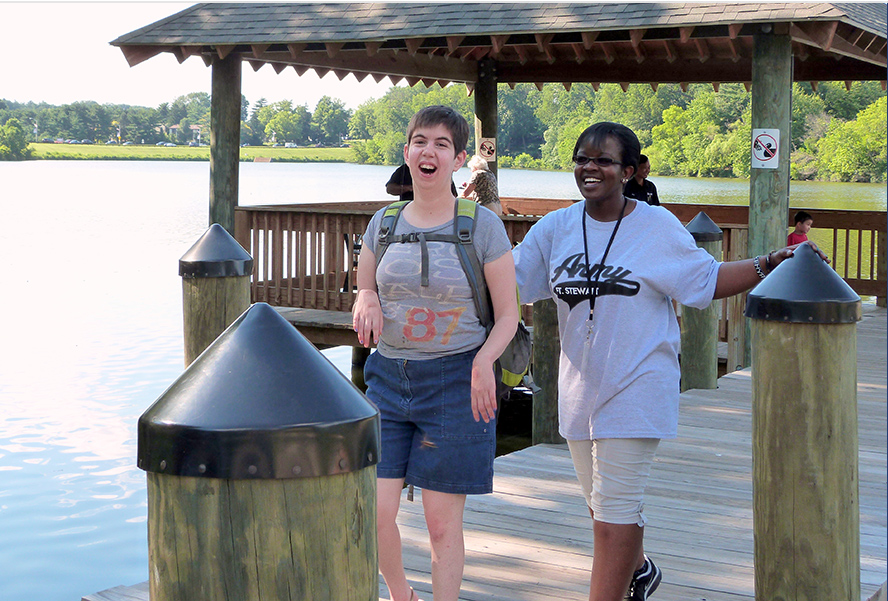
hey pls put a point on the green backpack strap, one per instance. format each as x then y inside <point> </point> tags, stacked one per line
<point>464,230</point>
<point>386,233</point>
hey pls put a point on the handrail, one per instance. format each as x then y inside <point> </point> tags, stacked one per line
<point>303,255</point>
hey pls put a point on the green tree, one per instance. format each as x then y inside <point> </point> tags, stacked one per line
<point>14,141</point>
<point>856,150</point>
<point>329,122</point>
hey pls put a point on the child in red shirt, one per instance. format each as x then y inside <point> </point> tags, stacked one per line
<point>803,223</point>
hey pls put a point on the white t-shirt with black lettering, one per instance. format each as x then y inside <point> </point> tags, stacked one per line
<point>619,378</point>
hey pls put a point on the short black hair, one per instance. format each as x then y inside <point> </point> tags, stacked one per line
<point>596,134</point>
<point>802,216</point>
<point>642,159</point>
<point>431,116</point>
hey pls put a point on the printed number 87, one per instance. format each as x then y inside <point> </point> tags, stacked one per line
<point>419,319</point>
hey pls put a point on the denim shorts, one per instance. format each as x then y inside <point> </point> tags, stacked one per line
<point>429,436</point>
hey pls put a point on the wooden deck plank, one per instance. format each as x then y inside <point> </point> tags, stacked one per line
<point>532,539</point>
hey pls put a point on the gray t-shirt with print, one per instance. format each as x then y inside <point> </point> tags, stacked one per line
<point>438,320</point>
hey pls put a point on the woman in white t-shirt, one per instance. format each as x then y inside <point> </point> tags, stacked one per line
<point>613,266</point>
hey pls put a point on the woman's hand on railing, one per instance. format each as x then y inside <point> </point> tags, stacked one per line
<point>367,317</point>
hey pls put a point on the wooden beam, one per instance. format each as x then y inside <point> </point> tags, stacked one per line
<point>301,69</point>
<point>333,48</point>
<point>654,86</point>
<point>360,76</point>
<point>824,36</point>
<point>453,43</point>
<point>715,86</point>
<point>543,41</point>
<point>579,52</point>
<point>567,85</point>
<point>137,54</point>
<point>179,54</point>
<point>521,51</point>
<point>372,47</point>
<point>296,49</point>
<point>671,54</point>
<point>255,64</point>
<point>340,74</point>
<point>225,140</point>
<point>608,52</point>
<point>321,71</point>
<point>413,45</point>
<point>278,67</point>
<point>595,85</point>
<point>685,33</point>
<point>813,85</point>
<point>259,49</point>
<point>498,42</point>
<point>702,49</point>
<point>734,30</point>
<point>412,81</point>
<point>624,85</point>
<point>589,38</point>
<point>470,88</point>
<point>224,50</point>
<point>635,37</point>
<point>735,53</point>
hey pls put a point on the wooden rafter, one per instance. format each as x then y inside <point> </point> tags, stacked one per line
<point>360,76</point>
<point>224,50</point>
<point>671,54</point>
<point>137,54</point>
<point>654,86</point>
<point>702,49</point>
<point>300,69</point>
<point>735,53</point>
<point>372,47</point>
<point>321,71</point>
<point>544,41</point>
<point>734,30</point>
<point>684,34</point>
<point>823,36</point>
<point>498,42</point>
<point>579,52</point>
<point>413,45</point>
<point>333,48</point>
<point>278,67</point>
<point>589,38</point>
<point>608,52</point>
<point>340,74</point>
<point>256,64</point>
<point>522,54</point>
<point>453,42</point>
<point>296,49</point>
<point>259,49</point>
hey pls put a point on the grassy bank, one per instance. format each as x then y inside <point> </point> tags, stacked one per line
<point>101,152</point>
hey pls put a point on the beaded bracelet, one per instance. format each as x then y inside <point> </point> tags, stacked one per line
<point>758,268</point>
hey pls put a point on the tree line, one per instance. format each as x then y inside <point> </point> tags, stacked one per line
<point>836,134</point>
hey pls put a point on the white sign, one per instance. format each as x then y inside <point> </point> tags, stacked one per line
<point>487,149</point>
<point>765,148</point>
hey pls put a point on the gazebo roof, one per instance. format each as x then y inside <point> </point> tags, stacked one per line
<point>538,42</point>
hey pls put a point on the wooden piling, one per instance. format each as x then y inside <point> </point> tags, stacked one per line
<point>215,288</point>
<point>546,353</point>
<point>804,433</point>
<point>699,327</point>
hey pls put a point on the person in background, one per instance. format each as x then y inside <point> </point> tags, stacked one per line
<point>803,224</point>
<point>482,185</point>
<point>612,265</point>
<point>400,184</point>
<point>639,187</point>
<point>432,374</point>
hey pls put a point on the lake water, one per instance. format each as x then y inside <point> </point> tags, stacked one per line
<point>92,335</point>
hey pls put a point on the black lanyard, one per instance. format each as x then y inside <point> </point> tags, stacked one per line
<point>593,292</point>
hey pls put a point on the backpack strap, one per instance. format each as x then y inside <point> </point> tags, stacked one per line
<point>465,211</point>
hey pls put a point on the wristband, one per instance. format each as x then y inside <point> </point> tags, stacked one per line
<point>758,268</point>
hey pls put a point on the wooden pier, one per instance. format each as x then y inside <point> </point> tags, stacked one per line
<point>531,540</point>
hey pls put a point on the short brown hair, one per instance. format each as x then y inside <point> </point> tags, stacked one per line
<point>431,116</point>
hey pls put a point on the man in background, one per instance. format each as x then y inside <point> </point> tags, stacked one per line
<point>639,187</point>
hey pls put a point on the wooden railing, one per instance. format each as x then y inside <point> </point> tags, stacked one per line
<point>303,255</point>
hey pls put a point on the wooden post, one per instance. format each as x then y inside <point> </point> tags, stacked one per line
<point>804,433</point>
<point>225,119</point>
<point>546,353</point>
<point>772,111</point>
<point>485,113</point>
<point>882,266</point>
<point>215,288</point>
<point>699,327</point>
<point>261,474</point>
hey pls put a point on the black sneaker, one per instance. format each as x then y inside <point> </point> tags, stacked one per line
<point>644,581</point>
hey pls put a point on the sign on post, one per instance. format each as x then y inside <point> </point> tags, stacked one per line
<point>765,148</point>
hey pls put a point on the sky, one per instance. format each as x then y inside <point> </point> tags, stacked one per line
<point>59,52</point>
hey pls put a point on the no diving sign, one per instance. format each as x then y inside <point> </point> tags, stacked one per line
<point>765,147</point>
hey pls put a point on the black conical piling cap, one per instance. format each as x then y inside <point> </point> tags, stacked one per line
<point>804,289</point>
<point>260,402</point>
<point>704,229</point>
<point>215,255</point>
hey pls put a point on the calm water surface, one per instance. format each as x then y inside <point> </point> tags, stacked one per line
<point>92,335</point>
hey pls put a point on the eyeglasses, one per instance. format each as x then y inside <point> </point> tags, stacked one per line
<point>600,161</point>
